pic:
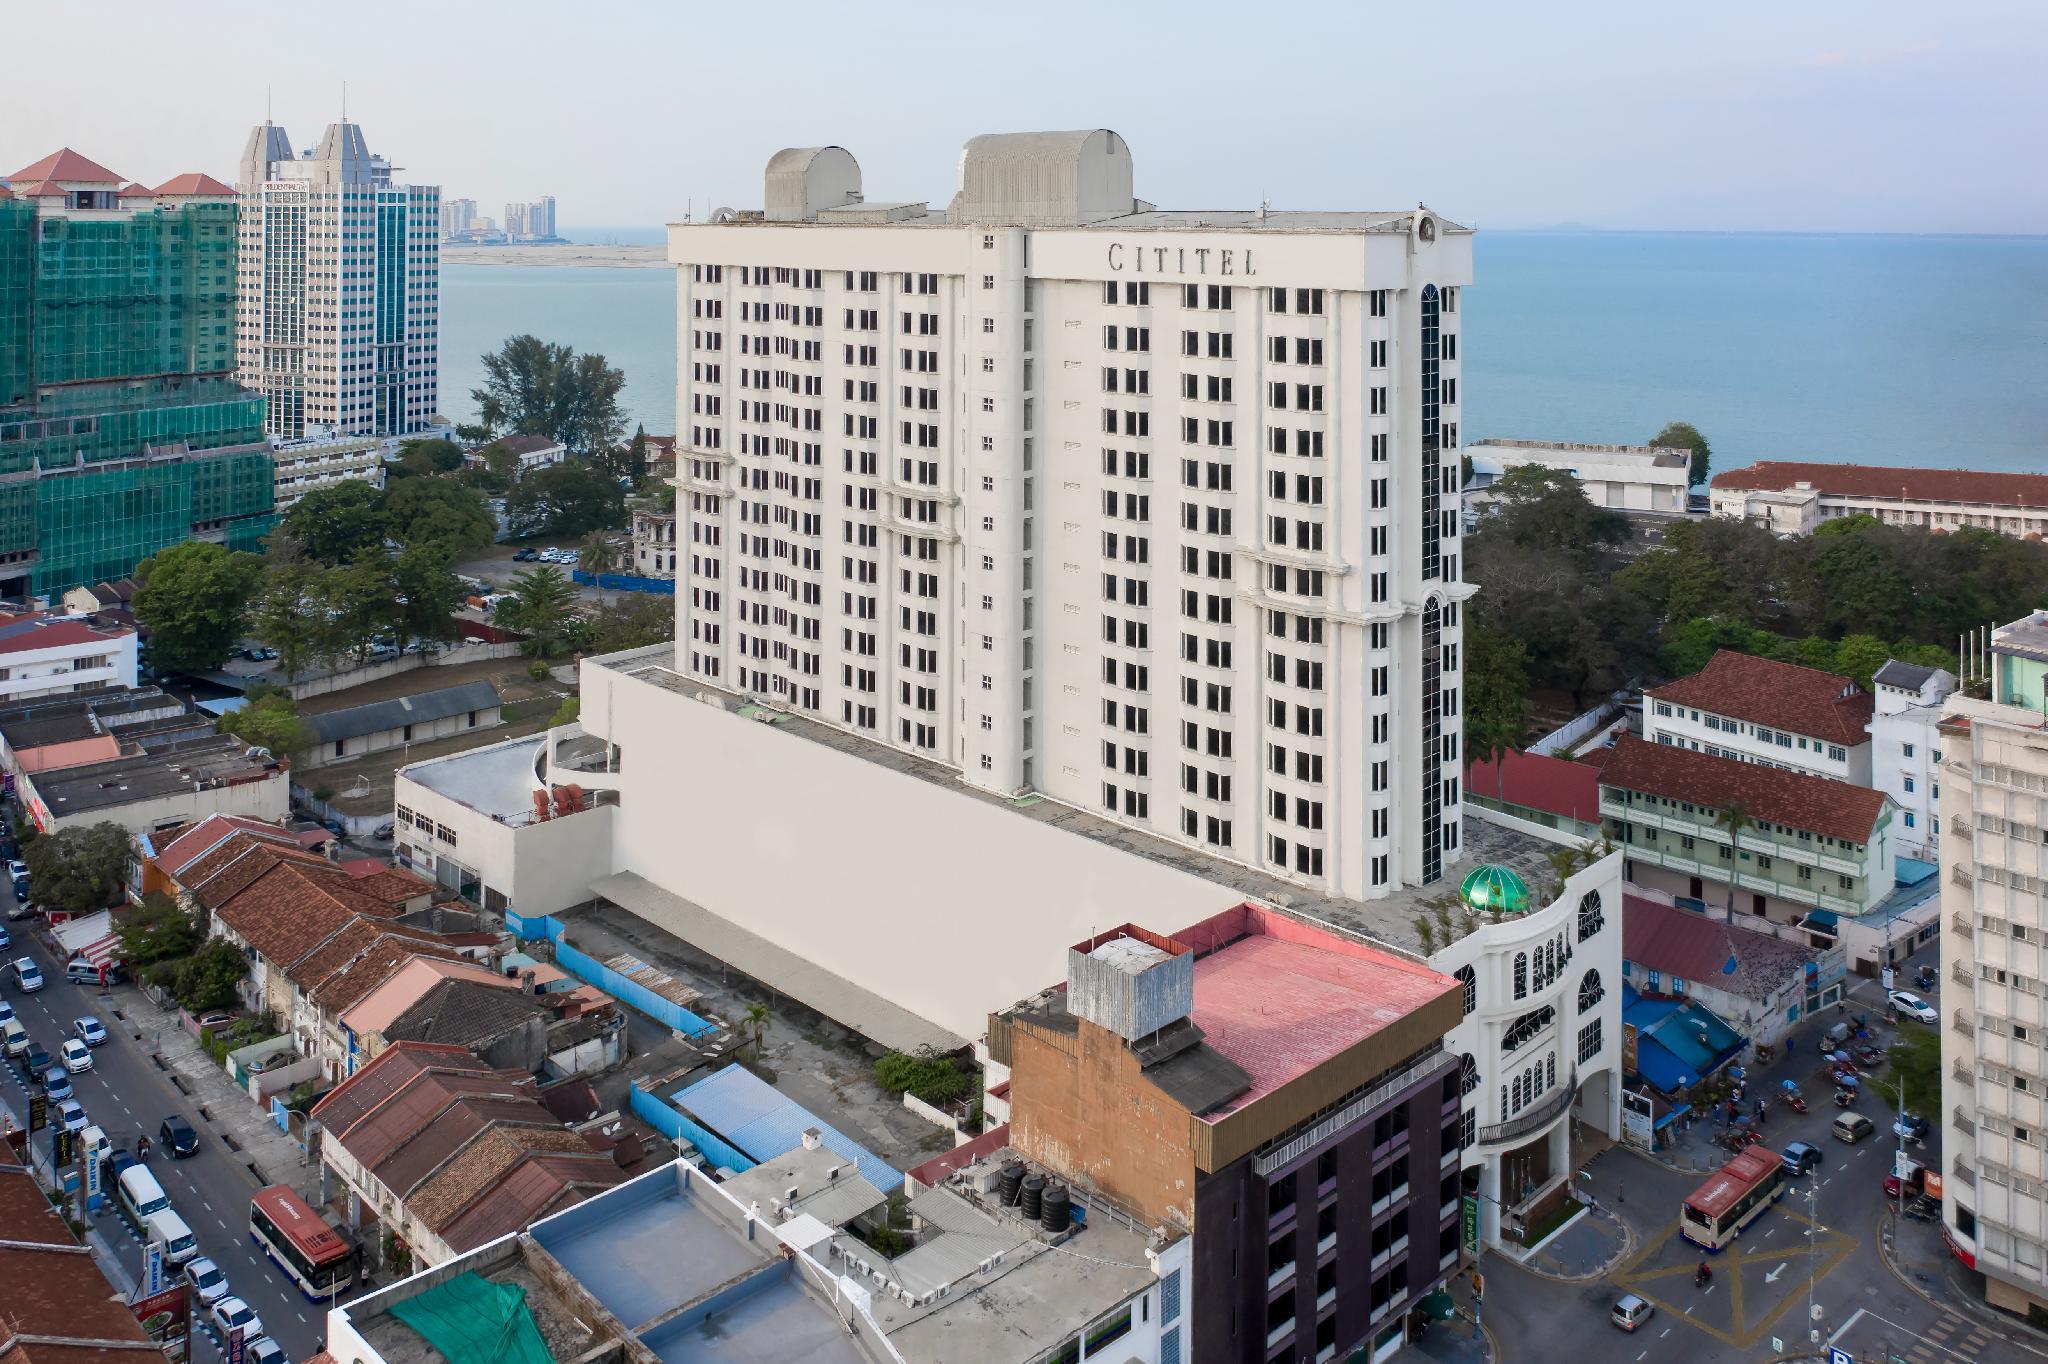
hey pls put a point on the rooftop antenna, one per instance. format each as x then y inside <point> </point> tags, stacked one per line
<point>268,91</point>
<point>344,101</point>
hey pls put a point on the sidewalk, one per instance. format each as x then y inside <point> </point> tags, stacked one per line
<point>226,1111</point>
<point>1918,1254</point>
<point>117,1273</point>
<point>1460,1340</point>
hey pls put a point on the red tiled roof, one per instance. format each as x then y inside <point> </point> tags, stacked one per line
<point>65,164</point>
<point>1818,804</point>
<point>1697,947</point>
<point>1764,691</point>
<point>1558,786</point>
<point>52,632</point>
<point>933,1172</point>
<point>193,182</point>
<point>539,1184</point>
<point>1865,480</point>
<point>212,832</point>
<point>138,192</point>
<point>59,1306</point>
<point>387,1073</point>
<point>41,189</point>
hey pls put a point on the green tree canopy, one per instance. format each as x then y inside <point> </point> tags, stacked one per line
<point>340,522</point>
<point>207,979</point>
<point>155,931</point>
<point>1496,695</point>
<point>547,389</point>
<point>636,457</point>
<point>193,597</point>
<point>428,592</point>
<point>423,458</point>
<point>290,615</point>
<point>267,718</point>
<point>568,499</point>
<point>539,606</point>
<point>79,870</point>
<point>358,603</point>
<point>1686,436</point>
<point>439,511</point>
<point>1546,509</point>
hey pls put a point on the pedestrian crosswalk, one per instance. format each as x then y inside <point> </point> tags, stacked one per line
<point>1950,1338</point>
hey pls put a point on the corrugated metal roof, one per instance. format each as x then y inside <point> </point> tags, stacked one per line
<point>764,1123</point>
<point>378,716</point>
<point>842,1200</point>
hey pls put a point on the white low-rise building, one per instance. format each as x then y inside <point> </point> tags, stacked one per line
<point>322,459</point>
<point>1797,498</point>
<point>1645,478</point>
<point>654,543</point>
<point>1905,737</point>
<point>42,655</point>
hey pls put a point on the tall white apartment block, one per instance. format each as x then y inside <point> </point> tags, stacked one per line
<point>1151,513</point>
<point>338,315</point>
<point>1905,744</point>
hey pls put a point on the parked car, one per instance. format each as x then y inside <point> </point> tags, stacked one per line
<point>1630,1312</point>
<point>1911,1126</point>
<point>6,1012</point>
<point>56,1083</point>
<point>232,1314</point>
<point>264,1350</point>
<point>70,1115</point>
<point>1912,1006</point>
<point>526,556</point>
<point>6,940</point>
<point>37,1060</point>
<point>77,1056</point>
<point>384,832</point>
<point>207,1280</point>
<point>21,909</point>
<point>176,1137</point>
<point>1799,1158</point>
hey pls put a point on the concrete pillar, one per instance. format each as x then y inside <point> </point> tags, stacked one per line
<point>1489,1201</point>
<point>1560,1139</point>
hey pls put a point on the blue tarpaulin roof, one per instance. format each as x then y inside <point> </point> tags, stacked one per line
<point>1911,871</point>
<point>1824,917</point>
<point>765,1123</point>
<point>1678,1042</point>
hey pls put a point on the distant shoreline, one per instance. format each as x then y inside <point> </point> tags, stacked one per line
<point>568,253</point>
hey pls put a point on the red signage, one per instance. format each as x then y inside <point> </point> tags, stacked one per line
<point>167,1317</point>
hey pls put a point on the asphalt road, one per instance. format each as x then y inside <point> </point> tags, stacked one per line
<point>1761,1286</point>
<point>125,1094</point>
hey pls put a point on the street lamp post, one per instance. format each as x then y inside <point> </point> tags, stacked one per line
<point>1813,1231</point>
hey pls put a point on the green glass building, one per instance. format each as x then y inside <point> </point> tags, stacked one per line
<point>122,430</point>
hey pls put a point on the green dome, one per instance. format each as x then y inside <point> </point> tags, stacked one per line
<point>1492,888</point>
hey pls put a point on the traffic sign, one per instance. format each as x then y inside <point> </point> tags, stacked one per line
<point>1840,1356</point>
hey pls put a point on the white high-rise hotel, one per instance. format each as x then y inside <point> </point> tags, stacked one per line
<point>339,287</point>
<point>1153,513</point>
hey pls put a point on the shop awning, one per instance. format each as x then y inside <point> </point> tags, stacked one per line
<point>1437,1306</point>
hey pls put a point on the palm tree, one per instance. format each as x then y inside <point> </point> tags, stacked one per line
<point>598,555</point>
<point>757,1020</point>
<point>1732,819</point>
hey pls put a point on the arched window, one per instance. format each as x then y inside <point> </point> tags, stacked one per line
<point>1591,991</point>
<point>1468,1074</point>
<point>1470,979</point>
<point>1521,975</point>
<point>1526,1028</point>
<point>1591,917</point>
<point>1503,1101</point>
<point>1550,1070</point>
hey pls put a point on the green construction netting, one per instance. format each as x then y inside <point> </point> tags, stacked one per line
<point>471,1320</point>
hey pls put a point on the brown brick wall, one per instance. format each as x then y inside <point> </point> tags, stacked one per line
<point>1080,1107</point>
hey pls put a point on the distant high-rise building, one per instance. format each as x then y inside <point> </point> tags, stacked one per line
<point>531,221</point>
<point>122,429</point>
<point>340,301</point>
<point>456,215</point>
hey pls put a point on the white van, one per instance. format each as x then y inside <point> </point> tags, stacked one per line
<point>170,1229</point>
<point>141,1192</point>
<point>14,1037</point>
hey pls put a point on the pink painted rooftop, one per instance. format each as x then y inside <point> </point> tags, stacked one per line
<point>1280,998</point>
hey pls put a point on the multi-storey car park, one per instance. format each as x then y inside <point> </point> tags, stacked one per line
<point>1148,512</point>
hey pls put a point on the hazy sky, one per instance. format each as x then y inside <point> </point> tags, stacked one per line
<point>1811,116</point>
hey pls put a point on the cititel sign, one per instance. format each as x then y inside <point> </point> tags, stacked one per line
<point>1182,260</point>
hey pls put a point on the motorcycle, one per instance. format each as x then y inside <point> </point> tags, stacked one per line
<point>1925,980</point>
<point>1703,1275</point>
<point>1845,1098</point>
<point>1797,1103</point>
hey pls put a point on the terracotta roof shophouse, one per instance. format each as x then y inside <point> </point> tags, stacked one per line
<point>1794,498</point>
<point>1758,710</point>
<point>1805,845</point>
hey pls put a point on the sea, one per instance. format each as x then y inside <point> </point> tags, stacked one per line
<point>1893,350</point>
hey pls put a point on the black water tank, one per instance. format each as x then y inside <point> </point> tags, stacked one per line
<point>1009,1182</point>
<point>1034,1197</point>
<point>1054,1218</point>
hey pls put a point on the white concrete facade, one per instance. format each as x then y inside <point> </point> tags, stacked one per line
<point>1154,514</point>
<point>1725,736</point>
<point>654,544</point>
<point>1797,499</point>
<point>338,287</point>
<point>53,654</point>
<point>322,459</point>
<point>1994,898</point>
<point>1905,741</point>
<point>1644,478</point>
<point>1550,980</point>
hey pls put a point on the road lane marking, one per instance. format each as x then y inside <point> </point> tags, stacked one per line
<point>1665,1332</point>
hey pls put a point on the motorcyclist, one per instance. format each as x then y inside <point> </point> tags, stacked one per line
<point>1705,1274</point>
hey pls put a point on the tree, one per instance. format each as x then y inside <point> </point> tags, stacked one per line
<point>207,979</point>
<point>1539,508</point>
<point>358,603</point>
<point>439,511</point>
<point>1914,1072</point>
<point>267,718</point>
<point>290,615</point>
<point>539,606</point>
<point>567,499</point>
<point>79,870</point>
<point>634,620</point>
<point>636,457</point>
<point>338,523</point>
<point>1731,819</point>
<point>547,389</point>
<point>428,592</point>
<point>598,555</point>
<point>192,598</point>
<point>757,1023</point>
<point>424,458</point>
<point>1686,436</point>
<point>155,931</point>
<point>1496,697</point>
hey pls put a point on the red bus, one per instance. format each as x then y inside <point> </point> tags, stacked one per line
<point>301,1242</point>
<point>1732,1197</point>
